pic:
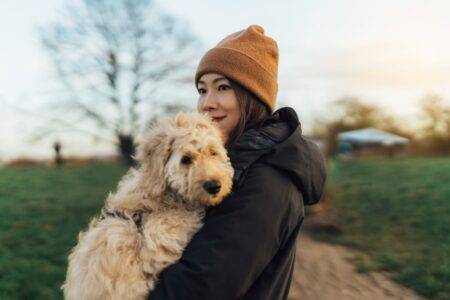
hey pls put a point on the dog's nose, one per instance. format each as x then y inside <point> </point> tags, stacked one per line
<point>212,187</point>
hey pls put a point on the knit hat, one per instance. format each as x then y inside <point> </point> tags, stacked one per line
<point>248,57</point>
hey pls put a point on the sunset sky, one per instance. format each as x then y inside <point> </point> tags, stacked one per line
<point>389,53</point>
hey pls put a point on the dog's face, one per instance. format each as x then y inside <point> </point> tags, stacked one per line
<point>186,154</point>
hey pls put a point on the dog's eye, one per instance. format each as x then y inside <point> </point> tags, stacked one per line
<point>186,160</point>
<point>213,153</point>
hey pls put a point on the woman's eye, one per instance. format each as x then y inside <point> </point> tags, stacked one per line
<point>201,91</point>
<point>223,87</point>
<point>186,160</point>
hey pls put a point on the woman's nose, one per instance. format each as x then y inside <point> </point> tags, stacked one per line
<point>209,102</point>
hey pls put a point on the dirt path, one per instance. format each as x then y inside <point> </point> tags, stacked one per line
<point>323,272</point>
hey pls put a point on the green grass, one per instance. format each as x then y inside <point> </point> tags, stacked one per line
<point>397,211</point>
<point>42,209</point>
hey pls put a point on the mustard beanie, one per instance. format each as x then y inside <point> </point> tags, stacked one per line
<point>249,57</point>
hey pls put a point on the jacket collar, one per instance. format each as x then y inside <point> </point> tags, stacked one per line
<point>255,143</point>
<point>279,143</point>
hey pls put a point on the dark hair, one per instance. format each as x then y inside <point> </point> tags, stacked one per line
<point>252,112</point>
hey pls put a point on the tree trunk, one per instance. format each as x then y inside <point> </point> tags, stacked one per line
<point>127,148</point>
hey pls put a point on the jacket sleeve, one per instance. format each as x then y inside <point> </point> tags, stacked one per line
<point>239,238</point>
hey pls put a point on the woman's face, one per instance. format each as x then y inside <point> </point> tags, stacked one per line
<point>218,100</point>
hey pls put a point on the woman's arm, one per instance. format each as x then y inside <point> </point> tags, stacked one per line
<point>238,240</point>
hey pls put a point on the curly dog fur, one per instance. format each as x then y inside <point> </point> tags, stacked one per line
<point>158,207</point>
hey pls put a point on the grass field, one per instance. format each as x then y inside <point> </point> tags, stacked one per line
<point>41,211</point>
<point>398,211</point>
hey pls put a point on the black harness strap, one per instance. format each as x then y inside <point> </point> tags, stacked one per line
<point>136,217</point>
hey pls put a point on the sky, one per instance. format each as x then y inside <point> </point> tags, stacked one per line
<point>388,53</point>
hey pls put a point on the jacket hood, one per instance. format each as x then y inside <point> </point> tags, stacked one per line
<point>280,144</point>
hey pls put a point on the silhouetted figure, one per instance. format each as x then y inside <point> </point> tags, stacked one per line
<point>58,157</point>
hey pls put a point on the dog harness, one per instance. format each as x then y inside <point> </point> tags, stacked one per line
<point>136,217</point>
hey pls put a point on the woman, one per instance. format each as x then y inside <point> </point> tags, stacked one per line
<point>246,248</point>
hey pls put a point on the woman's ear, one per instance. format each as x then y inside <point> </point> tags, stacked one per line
<point>153,154</point>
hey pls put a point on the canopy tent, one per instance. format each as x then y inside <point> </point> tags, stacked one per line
<point>371,136</point>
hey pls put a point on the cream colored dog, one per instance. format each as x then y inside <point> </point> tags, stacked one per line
<point>146,224</point>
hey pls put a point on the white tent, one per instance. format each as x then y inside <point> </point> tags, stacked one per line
<point>371,136</point>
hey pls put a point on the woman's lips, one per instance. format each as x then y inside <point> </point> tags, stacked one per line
<point>218,119</point>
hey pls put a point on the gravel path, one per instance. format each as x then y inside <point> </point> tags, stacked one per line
<point>322,271</point>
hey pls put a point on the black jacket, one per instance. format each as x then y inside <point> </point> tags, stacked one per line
<point>246,248</point>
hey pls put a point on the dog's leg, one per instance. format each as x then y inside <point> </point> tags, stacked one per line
<point>105,264</point>
<point>166,234</point>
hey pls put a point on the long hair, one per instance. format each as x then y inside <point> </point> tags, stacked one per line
<point>252,112</point>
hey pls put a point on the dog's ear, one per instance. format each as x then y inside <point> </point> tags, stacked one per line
<point>153,154</point>
<point>181,120</point>
<point>193,120</point>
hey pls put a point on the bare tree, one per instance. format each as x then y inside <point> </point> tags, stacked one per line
<point>435,133</point>
<point>115,60</point>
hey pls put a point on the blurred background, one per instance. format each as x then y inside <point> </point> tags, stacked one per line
<point>81,80</point>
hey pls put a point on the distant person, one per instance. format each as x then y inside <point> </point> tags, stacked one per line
<point>344,150</point>
<point>247,246</point>
<point>58,158</point>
